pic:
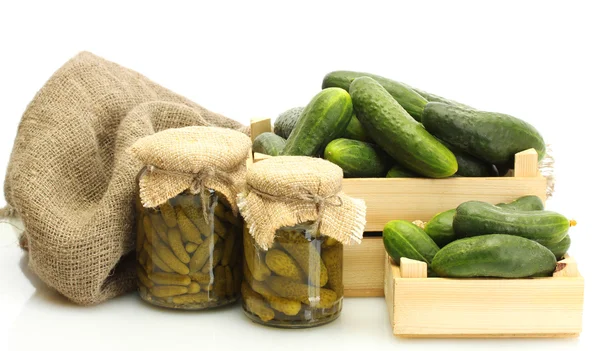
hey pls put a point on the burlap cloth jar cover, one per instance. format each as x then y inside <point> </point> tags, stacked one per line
<point>192,159</point>
<point>72,181</point>
<point>289,190</point>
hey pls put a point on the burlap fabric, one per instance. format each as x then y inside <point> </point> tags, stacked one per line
<point>192,159</point>
<point>290,190</point>
<point>72,181</point>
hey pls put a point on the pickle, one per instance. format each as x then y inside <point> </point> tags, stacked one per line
<point>140,235</point>
<point>201,278</point>
<point>332,257</point>
<point>236,252</point>
<point>291,236</point>
<point>155,260</point>
<point>329,242</point>
<point>194,288</point>
<point>143,278</point>
<point>170,279</point>
<point>220,285</point>
<point>188,229</point>
<point>220,228</point>
<point>229,285</point>
<point>190,247</point>
<point>151,235</point>
<point>255,303</point>
<point>201,255</point>
<point>170,259</point>
<point>220,210</point>
<point>168,290</point>
<point>282,264</point>
<point>286,306</point>
<point>168,214</point>
<point>190,299</point>
<point>176,244</point>
<point>214,259</point>
<point>309,295</point>
<point>308,258</point>
<point>194,214</point>
<point>228,248</point>
<point>256,266</point>
<point>237,278</point>
<point>142,256</point>
<point>160,226</point>
<point>207,287</point>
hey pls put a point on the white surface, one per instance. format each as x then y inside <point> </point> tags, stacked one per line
<point>534,60</point>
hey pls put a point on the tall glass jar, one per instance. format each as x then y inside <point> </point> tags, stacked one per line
<point>186,260</point>
<point>297,283</point>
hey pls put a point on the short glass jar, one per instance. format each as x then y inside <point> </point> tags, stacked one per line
<point>297,283</point>
<point>188,257</point>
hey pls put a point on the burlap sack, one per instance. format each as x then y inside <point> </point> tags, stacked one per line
<point>289,190</point>
<point>192,159</point>
<point>72,181</point>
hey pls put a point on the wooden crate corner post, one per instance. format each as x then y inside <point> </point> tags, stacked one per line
<point>526,163</point>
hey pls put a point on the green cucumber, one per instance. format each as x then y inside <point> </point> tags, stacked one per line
<point>398,134</point>
<point>560,248</point>
<point>404,239</point>
<point>524,203</point>
<point>285,122</point>
<point>489,136</point>
<point>469,166</point>
<point>400,172</point>
<point>494,255</point>
<point>268,144</point>
<point>479,218</point>
<point>355,131</point>
<point>439,228</point>
<point>357,159</point>
<point>411,101</point>
<point>436,98</point>
<point>325,118</point>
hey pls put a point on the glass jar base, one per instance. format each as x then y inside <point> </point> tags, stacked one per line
<point>292,324</point>
<point>214,303</point>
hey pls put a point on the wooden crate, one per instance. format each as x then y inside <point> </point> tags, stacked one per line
<point>442,307</point>
<point>415,198</point>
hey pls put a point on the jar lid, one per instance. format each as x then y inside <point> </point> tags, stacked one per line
<point>289,190</point>
<point>191,158</point>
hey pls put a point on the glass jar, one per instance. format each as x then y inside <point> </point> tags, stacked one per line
<point>186,261</point>
<point>297,283</point>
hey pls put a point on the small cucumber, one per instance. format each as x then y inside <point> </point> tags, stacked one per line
<point>479,218</point>
<point>560,248</point>
<point>489,136</point>
<point>524,203</point>
<point>469,166</point>
<point>494,255</point>
<point>285,122</point>
<point>269,144</point>
<point>355,131</point>
<point>397,133</point>
<point>439,228</point>
<point>436,98</point>
<point>400,172</point>
<point>357,159</point>
<point>325,118</point>
<point>404,239</point>
<point>410,100</point>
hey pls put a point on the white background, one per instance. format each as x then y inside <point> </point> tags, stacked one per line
<point>537,60</point>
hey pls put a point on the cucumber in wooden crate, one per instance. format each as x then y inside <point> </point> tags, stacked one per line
<point>397,133</point>
<point>269,144</point>
<point>494,255</point>
<point>357,159</point>
<point>325,118</point>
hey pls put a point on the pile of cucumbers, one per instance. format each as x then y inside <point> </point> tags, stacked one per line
<point>478,239</point>
<point>372,126</point>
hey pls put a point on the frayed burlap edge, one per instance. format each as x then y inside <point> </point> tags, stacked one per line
<point>345,223</point>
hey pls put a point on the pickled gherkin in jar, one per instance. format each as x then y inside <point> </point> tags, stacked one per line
<point>182,262</point>
<point>297,282</point>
